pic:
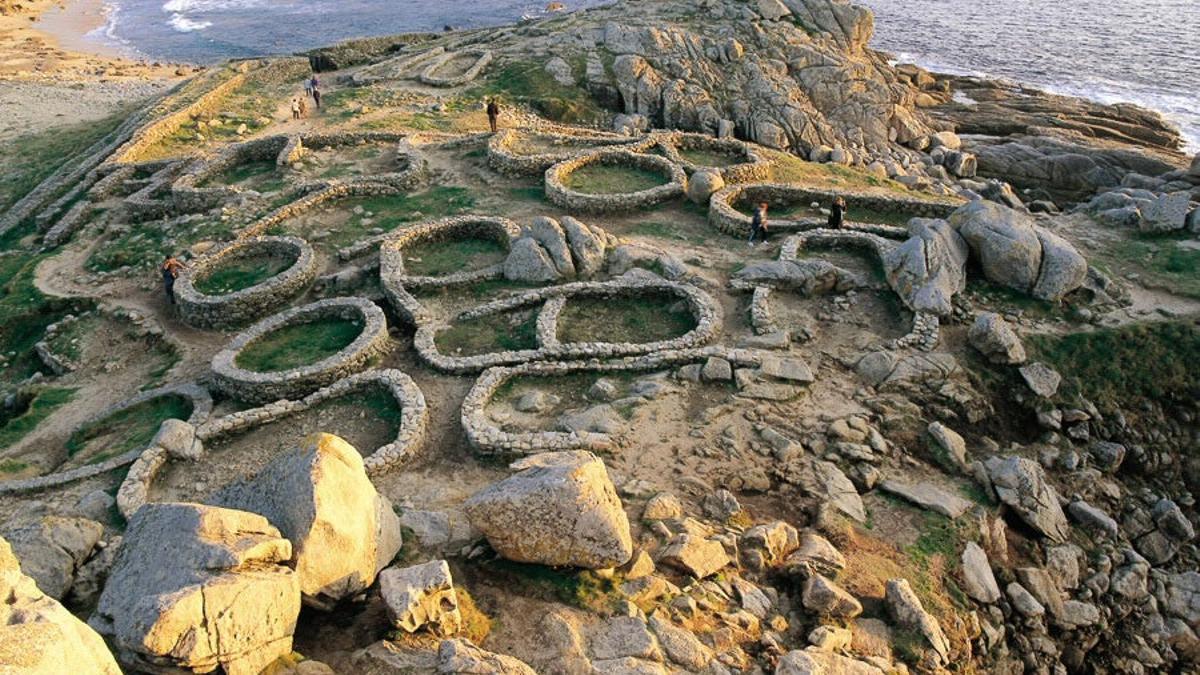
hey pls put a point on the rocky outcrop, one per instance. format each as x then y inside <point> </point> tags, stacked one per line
<point>807,277</point>
<point>38,636</point>
<point>342,531</point>
<point>906,609</point>
<point>1017,253</point>
<point>930,268</point>
<point>198,587</point>
<point>421,597</point>
<point>995,339</point>
<point>559,509</point>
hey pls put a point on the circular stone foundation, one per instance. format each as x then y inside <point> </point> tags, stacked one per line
<point>737,162</point>
<point>261,387</point>
<point>506,156</point>
<point>558,192</point>
<point>238,308</point>
<point>434,77</point>
<point>724,215</point>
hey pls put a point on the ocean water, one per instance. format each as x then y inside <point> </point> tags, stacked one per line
<point>1137,51</point>
<point>1140,51</point>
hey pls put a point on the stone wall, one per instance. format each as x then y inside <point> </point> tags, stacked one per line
<point>505,160</point>
<point>487,438</point>
<point>201,408</point>
<point>705,310</point>
<point>430,75</point>
<point>723,213</point>
<point>239,308</point>
<point>751,165</point>
<point>574,201</point>
<point>255,387</point>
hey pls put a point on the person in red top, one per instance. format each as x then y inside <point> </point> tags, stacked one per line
<point>171,268</point>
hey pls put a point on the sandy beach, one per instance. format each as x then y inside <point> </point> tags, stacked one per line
<point>53,73</point>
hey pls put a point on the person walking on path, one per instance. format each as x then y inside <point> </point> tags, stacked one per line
<point>314,83</point>
<point>303,108</point>
<point>316,96</point>
<point>758,224</point>
<point>171,269</point>
<point>837,213</point>
<point>295,108</point>
<point>493,113</point>
<point>308,88</point>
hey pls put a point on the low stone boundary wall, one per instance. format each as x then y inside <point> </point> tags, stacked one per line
<point>430,77</point>
<point>560,195</point>
<point>396,281</point>
<point>201,408</point>
<point>502,158</point>
<point>239,308</point>
<point>751,167</point>
<point>485,437</point>
<point>703,307</point>
<point>723,214</point>
<point>256,387</point>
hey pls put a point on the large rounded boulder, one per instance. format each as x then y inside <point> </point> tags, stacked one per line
<point>559,509</point>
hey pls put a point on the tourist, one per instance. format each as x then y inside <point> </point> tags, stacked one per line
<point>317,97</point>
<point>295,108</point>
<point>493,113</point>
<point>303,107</point>
<point>758,224</point>
<point>308,88</point>
<point>837,213</point>
<point>171,268</point>
<point>314,83</point>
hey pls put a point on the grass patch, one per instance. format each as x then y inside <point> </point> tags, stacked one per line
<point>261,176</point>
<point>609,179</point>
<point>389,212</point>
<point>435,259</point>
<point>701,157</point>
<point>127,429</point>
<point>476,625</point>
<point>578,588</point>
<point>805,210</point>
<point>298,345</point>
<point>241,273</point>
<point>512,331</point>
<point>638,319</point>
<point>12,465</point>
<point>40,405</point>
<point>1159,261</point>
<point>535,193</point>
<point>1113,366</point>
<point>143,246</point>
<point>527,82</point>
<point>792,169</point>
<point>24,315</point>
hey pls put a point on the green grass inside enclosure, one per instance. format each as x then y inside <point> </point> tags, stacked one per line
<point>389,212</point>
<point>611,179</point>
<point>638,319</point>
<point>298,345</point>
<point>25,418</point>
<point>127,429</point>
<point>143,246</point>
<point>263,176</point>
<point>241,273</point>
<point>512,331</point>
<point>714,158</point>
<point>1164,261</point>
<point>1116,366</point>
<point>435,259</point>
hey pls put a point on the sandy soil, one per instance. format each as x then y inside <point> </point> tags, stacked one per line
<point>52,73</point>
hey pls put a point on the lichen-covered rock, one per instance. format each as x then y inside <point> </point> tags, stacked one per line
<point>978,580</point>
<point>826,482</point>
<point>1021,484</point>
<point>828,599</point>
<point>930,268</point>
<point>1064,268</point>
<point>807,277</point>
<point>421,596</point>
<point>548,233</point>
<point>695,555</point>
<point>559,509</point>
<point>342,530</point>
<point>996,339</point>
<point>38,636</point>
<point>704,184</point>
<point>52,549</point>
<point>587,247</point>
<point>199,587</point>
<point>813,661</point>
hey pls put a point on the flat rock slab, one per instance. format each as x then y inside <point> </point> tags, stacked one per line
<point>928,496</point>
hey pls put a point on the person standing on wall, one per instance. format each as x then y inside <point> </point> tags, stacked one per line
<point>758,224</point>
<point>171,268</point>
<point>493,113</point>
